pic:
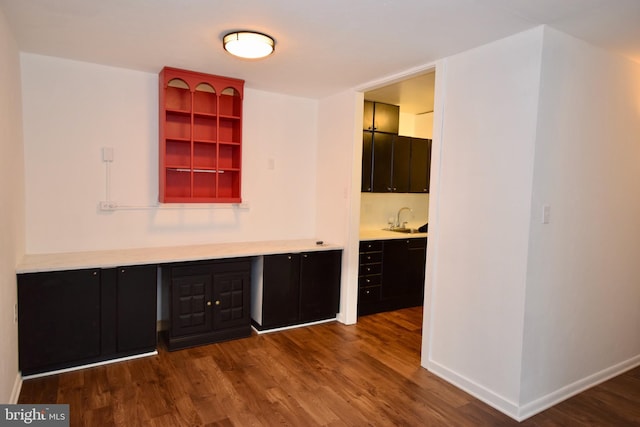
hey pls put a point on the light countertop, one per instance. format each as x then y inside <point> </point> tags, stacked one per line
<point>122,257</point>
<point>380,234</point>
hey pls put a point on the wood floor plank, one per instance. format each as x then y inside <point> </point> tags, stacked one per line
<point>329,374</point>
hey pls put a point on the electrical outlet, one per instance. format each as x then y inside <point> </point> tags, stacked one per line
<point>15,313</point>
<point>108,206</point>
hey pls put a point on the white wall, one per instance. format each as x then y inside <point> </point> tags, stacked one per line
<point>73,109</point>
<point>338,187</point>
<point>12,211</point>
<point>583,296</point>
<point>525,314</point>
<point>480,202</point>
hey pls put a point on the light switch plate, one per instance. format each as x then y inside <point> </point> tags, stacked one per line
<point>546,214</point>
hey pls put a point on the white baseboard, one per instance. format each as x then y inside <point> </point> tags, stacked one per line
<point>522,412</point>
<point>545,402</point>
<point>284,328</point>
<point>15,392</point>
<point>91,365</point>
<point>492,399</point>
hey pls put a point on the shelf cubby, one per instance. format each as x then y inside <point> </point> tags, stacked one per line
<point>200,137</point>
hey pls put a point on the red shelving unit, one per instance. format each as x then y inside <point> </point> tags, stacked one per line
<point>200,137</point>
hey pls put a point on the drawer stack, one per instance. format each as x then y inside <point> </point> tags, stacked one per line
<point>369,276</point>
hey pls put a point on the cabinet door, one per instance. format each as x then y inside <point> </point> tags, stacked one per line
<point>386,118</point>
<point>420,165</point>
<point>401,162</point>
<point>136,309</point>
<point>231,295</point>
<point>281,290</point>
<point>320,285</point>
<point>367,159</point>
<point>382,162</point>
<point>59,319</point>
<point>367,120</point>
<point>403,270</point>
<point>190,303</point>
<point>417,259</point>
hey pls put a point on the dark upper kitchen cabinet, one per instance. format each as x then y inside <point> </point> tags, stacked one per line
<point>382,158</point>
<point>380,117</point>
<point>420,165</point>
<point>209,301</point>
<point>300,288</point>
<point>75,317</point>
<point>392,163</point>
<point>401,164</point>
<point>367,160</point>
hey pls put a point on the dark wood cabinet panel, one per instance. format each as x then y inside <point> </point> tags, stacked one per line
<point>392,162</point>
<point>71,318</point>
<point>231,294</point>
<point>382,162</point>
<point>191,302</point>
<point>367,122</point>
<point>420,165</point>
<point>367,161</point>
<point>281,290</point>
<point>300,288</point>
<point>59,319</point>
<point>137,308</point>
<point>369,277</point>
<point>209,302</point>
<point>320,285</point>
<point>401,282</point>
<point>380,117</point>
<point>401,162</point>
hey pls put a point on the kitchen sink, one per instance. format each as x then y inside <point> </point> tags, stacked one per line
<point>403,230</point>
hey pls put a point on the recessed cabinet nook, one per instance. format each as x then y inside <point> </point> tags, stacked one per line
<point>79,309</point>
<point>74,317</point>
<point>200,137</point>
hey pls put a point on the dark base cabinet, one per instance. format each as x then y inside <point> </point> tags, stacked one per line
<point>391,274</point>
<point>300,288</point>
<point>77,317</point>
<point>209,301</point>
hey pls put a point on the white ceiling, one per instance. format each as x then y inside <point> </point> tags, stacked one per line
<point>323,46</point>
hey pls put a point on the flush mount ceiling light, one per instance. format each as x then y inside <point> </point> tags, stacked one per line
<point>248,44</point>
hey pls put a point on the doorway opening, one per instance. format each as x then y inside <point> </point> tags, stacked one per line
<point>394,198</point>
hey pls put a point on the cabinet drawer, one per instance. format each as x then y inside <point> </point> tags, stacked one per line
<point>369,294</point>
<point>374,279</point>
<point>419,243</point>
<point>370,258</point>
<point>371,246</point>
<point>367,269</point>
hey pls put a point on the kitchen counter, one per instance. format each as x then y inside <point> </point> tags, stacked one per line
<point>380,234</point>
<point>33,263</point>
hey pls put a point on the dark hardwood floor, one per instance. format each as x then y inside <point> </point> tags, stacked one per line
<point>367,374</point>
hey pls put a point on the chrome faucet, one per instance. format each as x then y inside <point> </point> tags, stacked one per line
<point>398,224</point>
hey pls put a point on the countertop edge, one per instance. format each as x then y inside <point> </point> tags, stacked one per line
<point>37,263</point>
<point>373,234</point>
